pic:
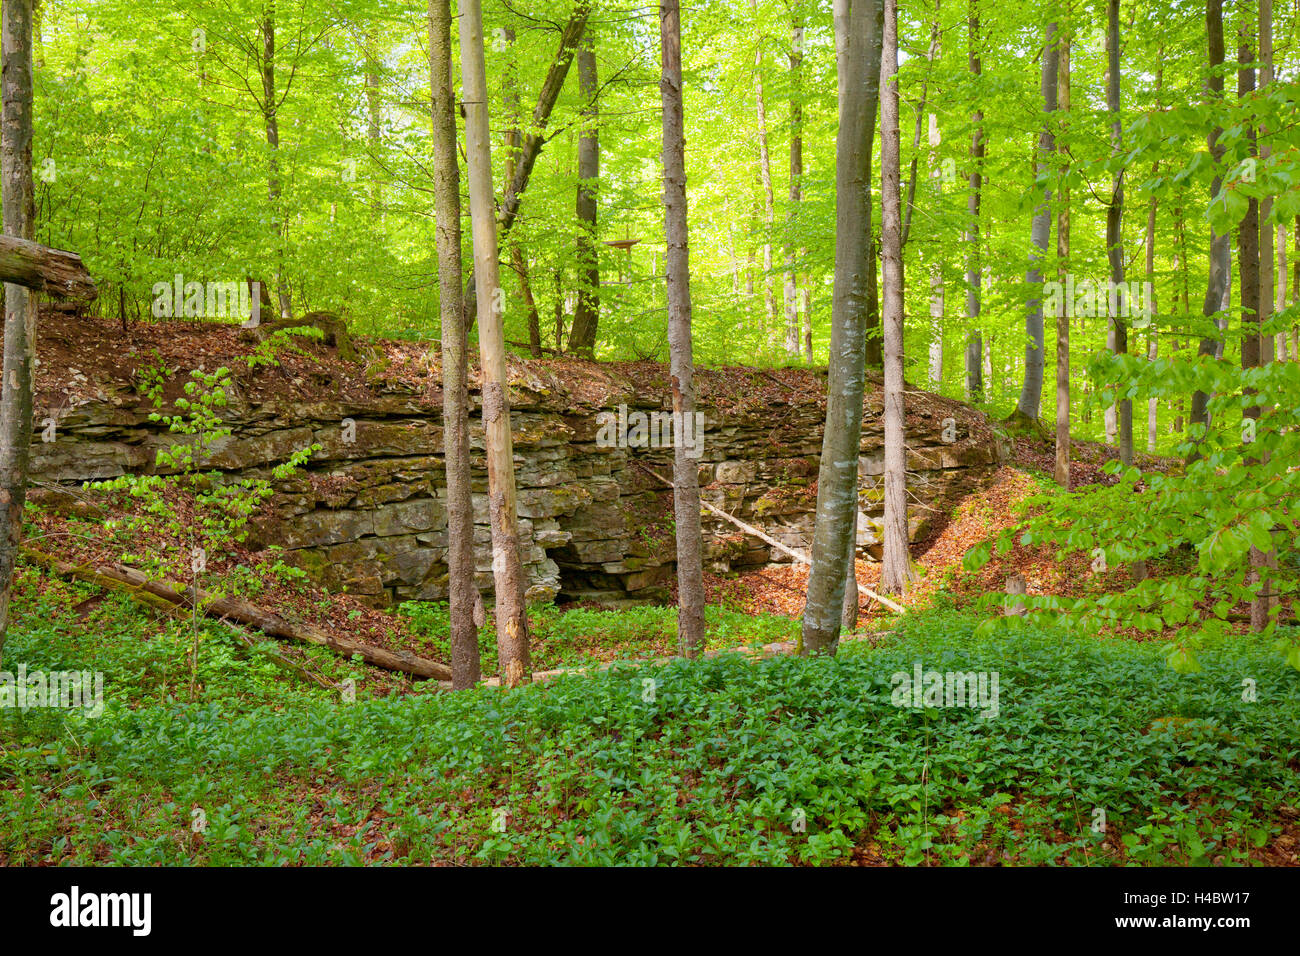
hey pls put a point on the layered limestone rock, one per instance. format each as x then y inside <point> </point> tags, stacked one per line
<point>367,513</point>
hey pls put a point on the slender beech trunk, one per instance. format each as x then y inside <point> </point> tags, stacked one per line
<point>765,180</point>
<point>1061,469</point>
<point>896,572</point>
<point>19,302</point>
<point>1266,276</point>
<point>792,328</point>
<point>1031,392</point>
<point>465,664</point>
<point>1122,414</point>
<point>1217,286</point>
<point>851,608</point>
<point>1153,346</point>
<point>857,45</point>
<point>974,340</point>
<point>875,344</point>
<point>586,316</point>
<point>1252,298</point>
<point>1268,342</point>
<point>936,269</point>
<point>1282,350</point>
<point>507,571</point>
<point>531,145</point>
<point>374,112</point>
<point>686,476</point>
<point>807,316</point>
<point>922,106</point>
<point>270,117</point>
<point>1295,286</point>
<point>513,138</point>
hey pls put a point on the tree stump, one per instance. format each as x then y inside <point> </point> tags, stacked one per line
<point>334,331</point>
<point>1017,588</point>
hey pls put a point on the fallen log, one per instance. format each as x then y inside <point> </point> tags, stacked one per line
<point>52,272</point>
<point>168,608</point>
<point>768,539</point>
<point>240,611</point>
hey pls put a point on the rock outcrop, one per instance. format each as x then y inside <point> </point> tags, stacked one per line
<point>367,513</point>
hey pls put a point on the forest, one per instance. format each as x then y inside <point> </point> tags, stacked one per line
<point>584,433</point>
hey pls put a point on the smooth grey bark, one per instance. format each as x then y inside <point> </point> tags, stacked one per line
<point>857,44</point>
<point>466,667</point>
<point>791,288</point>
<point>1267,342</point>
<point>531,145</point>
<point>896,572</point>
<point>1031,392</point>
<point>20,304</point>
<point>512,140</point>
<point>922,105</point>
<point>686,483</point>
<point>765,180</point>
<point>974,340</point>
<point>270,105</point>
<point>1249,273</point>
<point>851,606</point>
<point>507,571</point>
<point>1117,337</point>
<point>1061,464</point>
<point>1153,346</point>
<point>1217,285</point>
<point>586,316</point>
<point>936,274</point>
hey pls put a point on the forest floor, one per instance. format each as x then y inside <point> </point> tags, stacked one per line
<point>1098,755</point>
<point>721,761</point>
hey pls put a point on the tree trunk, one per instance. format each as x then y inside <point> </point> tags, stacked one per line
<point>1216,287</point>
<point>974,341</point>
<point>936,267</point>
<point>466,668</point>
<point>896,572</point>
<point>765,178</point>
<point>1118,337</point>
<point>807,316</point>
<point>507,572</point>
<point>531,146</point>
<point>792,330</point>
<point>19,302</point>
<point>1282,349</point>
<point>1266,278</point>
<point>1061,469</point>
<point>686,487</point>
<point>373,125</point>
<point>1252,304</point>
<point>857,45</point>
<point>513,138</point>
<point>851,606</point>
<point>270,117</point>
<point>921,106</point>
<point>1295,286</point>
<point>1268,351</point>
<point>1031,393</point>
<point>1153,346</point>
<point>582,337</point>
